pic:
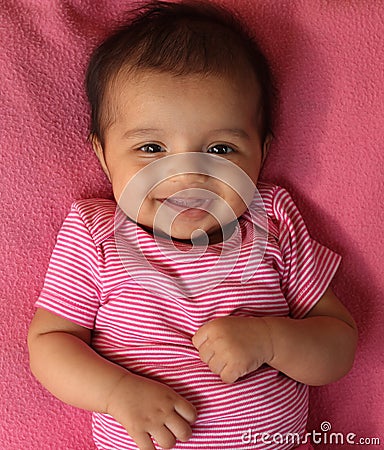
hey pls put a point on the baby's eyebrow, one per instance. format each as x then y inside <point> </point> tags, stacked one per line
<point>144,132</point>
<point>235,132</point>
<point>139,132</point>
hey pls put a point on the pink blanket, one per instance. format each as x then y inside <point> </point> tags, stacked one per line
<point>328,60</point>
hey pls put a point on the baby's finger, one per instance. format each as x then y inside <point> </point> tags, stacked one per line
<point>217,365</point>
<point>200,337</point>
<point>186,410</point>
<point>229,375</point>
<point>178,427</point>
<point>164,437</point>
<point>143,441</point>
<point>206,351</point>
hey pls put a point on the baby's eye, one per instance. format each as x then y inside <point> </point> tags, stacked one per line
<point>151,148</point>
<point>220,149</point>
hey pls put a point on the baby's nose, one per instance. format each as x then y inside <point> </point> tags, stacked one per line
<point>189,179</point>
<point>189,168</point>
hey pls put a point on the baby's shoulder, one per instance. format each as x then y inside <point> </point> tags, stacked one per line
<point>278,203</point>
<point>270,193</point>
<point>266,190</point>
<point>97,215</point>
<point>94,206</point>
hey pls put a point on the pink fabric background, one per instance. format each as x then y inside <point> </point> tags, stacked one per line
<point>328,59</point>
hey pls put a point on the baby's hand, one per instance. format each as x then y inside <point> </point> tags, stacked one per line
<point>147,408</point>
<point>234,346</point>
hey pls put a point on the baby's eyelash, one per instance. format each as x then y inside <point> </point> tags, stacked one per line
<point>151,148</point>
<point>220,149</point>
<point>217,149</point>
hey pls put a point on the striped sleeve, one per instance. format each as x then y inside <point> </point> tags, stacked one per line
<point>308,266</point>
<point>72,283</point>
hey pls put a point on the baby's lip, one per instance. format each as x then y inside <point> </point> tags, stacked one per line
<point>188,202</point>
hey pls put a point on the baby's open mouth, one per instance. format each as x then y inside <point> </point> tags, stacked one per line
<point>189,207</point>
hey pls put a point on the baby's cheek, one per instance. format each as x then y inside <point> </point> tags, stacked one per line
<point>230,207</point>
<point>146,213</point>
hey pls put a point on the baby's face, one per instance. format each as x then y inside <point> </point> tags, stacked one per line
<point>157,115</point>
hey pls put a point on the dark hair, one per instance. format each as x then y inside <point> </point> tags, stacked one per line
<point>180,38</point>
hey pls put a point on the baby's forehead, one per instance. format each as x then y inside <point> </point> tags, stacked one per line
<point>151,87</point>
<point>127,79</point>
<point>149,99</point>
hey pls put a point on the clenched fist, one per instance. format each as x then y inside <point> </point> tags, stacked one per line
<point>234,346</point>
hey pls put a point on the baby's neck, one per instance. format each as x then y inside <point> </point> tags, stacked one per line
<point>218,236</point>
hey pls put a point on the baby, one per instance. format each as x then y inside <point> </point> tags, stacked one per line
<point>194,311</point>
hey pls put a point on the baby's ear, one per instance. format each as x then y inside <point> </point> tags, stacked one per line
<point>266,145</point>
<point>98,149</point>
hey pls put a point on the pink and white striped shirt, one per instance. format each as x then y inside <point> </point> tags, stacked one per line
<point>133,301</point>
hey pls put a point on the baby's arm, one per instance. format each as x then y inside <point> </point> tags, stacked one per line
<point>63,361</point>
<point>315,350</point>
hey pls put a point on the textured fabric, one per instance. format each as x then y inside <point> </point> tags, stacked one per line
<point>141,320</point>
